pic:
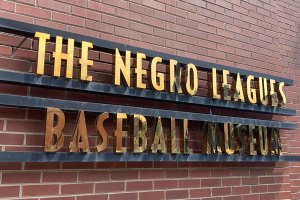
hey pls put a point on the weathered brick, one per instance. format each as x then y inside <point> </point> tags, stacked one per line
<point>40,190</point>
<point>13,178</point>
<point>80,188</point>
<point>32,11</point>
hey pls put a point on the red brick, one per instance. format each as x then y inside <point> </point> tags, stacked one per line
<point>196,193</point>
<point>26,54</point>
<point>177,194</point>
<point>15,65</point>
<point>41,166</point>
<point>40,190</point>
<point>139,185</point>
<point>68,19</point>
<point>93,197</point>
<point>191,183</point>
<point>93,176</point>
<point>9,191</point>
<point>11,139</point>
<point>5,50</point>
<point>59,177</point>
<point>83,31</point>
<point>176,173</point>
<point>241,190</point>
<point>152,174</point>
<point>124,175</point>
<point>250,197</point>
<point>77,188</point>
<point>231,181</point>
<point>60,198</point>
<point>211,182</point>
<point>22,177</point>
<point>85,13</point>
<point>17,17</point>
<point>141,9</point>
<point>9,6</point>
<point>110,187</point>
<point>124,196</point>
<point>32,11</point>
<point>233,198</point>
<point>224,191</point>
<point>268,196</point>
<point>154,4</point>
<point>25,126</point>
<point>215,8</point>
<point>31,2</point>
<point>10,166</point>
<point>165,184</point>
<point>266,180</point>
<point>199,173</point>
<point>159,195</point>
<point>139,165</point>
<point>82,3</point>
<point>100,6</point>
<point>54,5</point>
<point>99,26</point>
<point>115,21</point>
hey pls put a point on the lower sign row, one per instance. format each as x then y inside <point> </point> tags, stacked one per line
<point>219,138</point>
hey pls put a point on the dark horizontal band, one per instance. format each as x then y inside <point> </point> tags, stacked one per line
<point>37,102</point>
<point>136,157</point>
<point>73,84</point>
<point>30,29</point>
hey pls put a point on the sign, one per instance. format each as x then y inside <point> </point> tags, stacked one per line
<point>229,88</point>
<point>215,140</point>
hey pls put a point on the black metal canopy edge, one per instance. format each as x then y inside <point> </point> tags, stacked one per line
<point>37,102</point>
<point>73,84</point>
<point>30,29</point>
<point>137,157</point>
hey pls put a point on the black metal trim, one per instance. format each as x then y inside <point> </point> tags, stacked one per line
<point>137,157</point>
<point>73,84</point>
<point>37,102</point>
<point>30,29</point>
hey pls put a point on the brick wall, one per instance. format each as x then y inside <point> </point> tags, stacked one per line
<point>258,35</point>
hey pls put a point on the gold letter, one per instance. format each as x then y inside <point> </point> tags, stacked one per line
<point>229,138</point>
<point>58,56</point>
<point>275,142</point>
<point>140,71</point>
<point>174,147</point>
<point>120,66</point>
<point>102,132</point>
<point>239,93</point>
<point>188,76</point>
<point>155,75</point>
<point>54,131</point>
<point>244,144</point>
<point>225,85</point>
<point>85,63</point>
<point>43,37</point>
<point>263,140</point>
<point>186,148</point>
<point>252,140</point>
<point>175,76</point>
<point>159,139</point>
<point>282,97</point>
<point>139,134</point>
<point>273,94</point>
<point>251,92</point>
<point>119,133</point>
<point>79,140</point>
<point>215,86</point>
<point>263,91</point>
<point>211,138</point>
